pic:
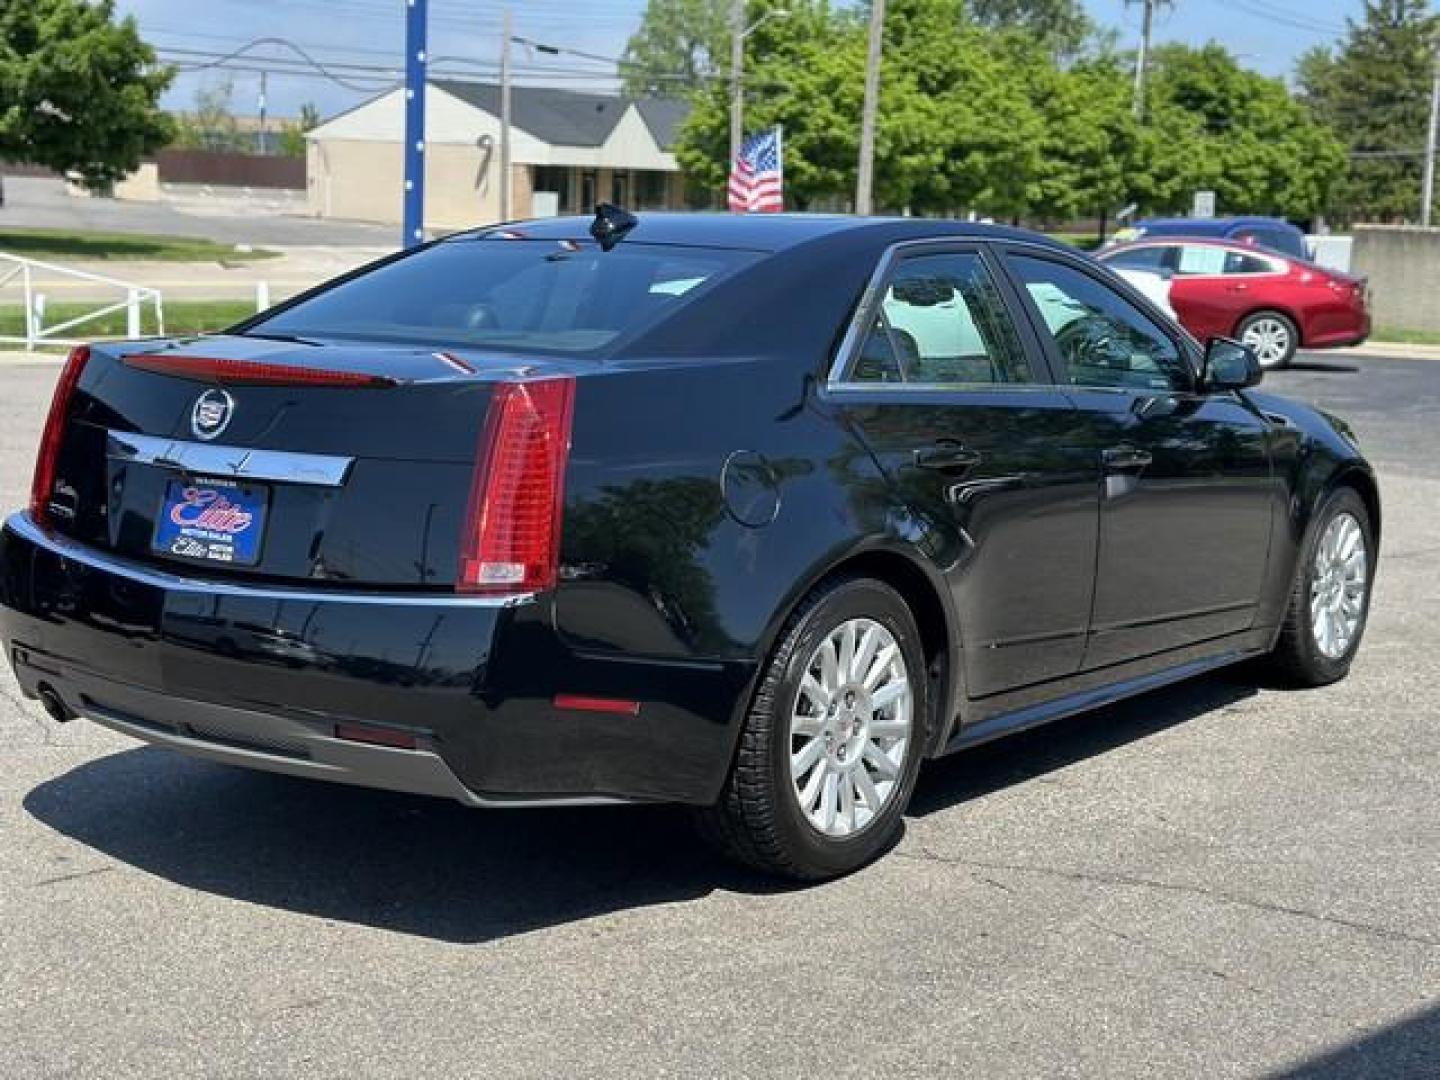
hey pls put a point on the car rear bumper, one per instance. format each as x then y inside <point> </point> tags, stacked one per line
<point>269,677</point>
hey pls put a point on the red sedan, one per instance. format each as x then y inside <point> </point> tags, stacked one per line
<point>1271,302</point>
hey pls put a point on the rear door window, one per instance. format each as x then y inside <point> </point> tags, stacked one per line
<point>941,322</point>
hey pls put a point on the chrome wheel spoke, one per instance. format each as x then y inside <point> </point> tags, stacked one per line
<point>805,760</point>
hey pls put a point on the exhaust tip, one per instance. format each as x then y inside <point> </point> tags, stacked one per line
<point>54,705</point>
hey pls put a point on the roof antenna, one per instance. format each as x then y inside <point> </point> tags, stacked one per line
<point>611,225</point>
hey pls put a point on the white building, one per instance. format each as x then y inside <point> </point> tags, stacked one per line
<point>569,150</point>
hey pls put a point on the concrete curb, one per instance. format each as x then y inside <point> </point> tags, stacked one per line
<point>1391,350</point>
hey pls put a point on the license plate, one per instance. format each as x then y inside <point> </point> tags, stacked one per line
<point>216,521</point>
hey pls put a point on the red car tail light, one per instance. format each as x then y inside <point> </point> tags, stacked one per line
<point>43,482</point>
<point>511,538</point>
<point>251,373</point>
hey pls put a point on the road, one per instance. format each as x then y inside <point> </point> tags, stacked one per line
<point>1216,880</point>
<point>42,203</point>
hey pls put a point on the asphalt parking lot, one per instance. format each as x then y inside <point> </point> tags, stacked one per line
<point>1220,879</point>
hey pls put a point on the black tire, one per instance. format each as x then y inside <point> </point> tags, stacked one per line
<point>1256,319</point>
<point>1297,657</point>
<point>758,820</point>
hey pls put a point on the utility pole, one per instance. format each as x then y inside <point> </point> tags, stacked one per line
<point>1427,187</point>
<point>262,111</point>
<point>1147,21</point>
<point>864,175</point>
<point>737,74</point>
<point>414,217</point>
<point>505,209</point>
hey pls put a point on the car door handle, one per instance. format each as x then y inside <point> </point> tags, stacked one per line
<point>947,456</point>
<point>1125,458</point>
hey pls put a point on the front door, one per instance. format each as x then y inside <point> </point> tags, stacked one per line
<point>958,407</point>
<point>1187,497</point>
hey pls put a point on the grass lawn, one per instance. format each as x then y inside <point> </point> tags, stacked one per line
<point>1406,337</point>
<point>69,244</point>
<point>181,317</point>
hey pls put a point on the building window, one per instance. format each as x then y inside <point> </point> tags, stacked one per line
<point>588,185</point>
<point>554,178</point>
<point>650,189</point>
<point>620,188</point>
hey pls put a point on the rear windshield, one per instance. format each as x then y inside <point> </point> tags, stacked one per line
<point>526,295</point>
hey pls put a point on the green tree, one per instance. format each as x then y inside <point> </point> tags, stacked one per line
<point>1375,93</point>
<point>211,123</point>
<point>685,38</point>
<point>79,92</point>
<point>1214,125</point>
<point>805,73</point>
<point>1092,143</point>
<point>292,137</point>
<point>1060,27</point>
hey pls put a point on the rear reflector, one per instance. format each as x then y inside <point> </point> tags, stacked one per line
<point>581,703</point>
<point>252,373</point>
<point>511,537</point>
<point>43,483</point>
<point>400,740</point>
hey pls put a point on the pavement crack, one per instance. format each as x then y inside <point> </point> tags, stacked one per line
<point>61,878</point>
<point>1100,878</point>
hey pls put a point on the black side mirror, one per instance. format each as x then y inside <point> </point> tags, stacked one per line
<point>1230,365</point>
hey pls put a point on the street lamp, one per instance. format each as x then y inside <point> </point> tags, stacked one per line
<point>738,33</point>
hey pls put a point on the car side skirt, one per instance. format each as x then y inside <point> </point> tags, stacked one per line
<point>1221,652</point>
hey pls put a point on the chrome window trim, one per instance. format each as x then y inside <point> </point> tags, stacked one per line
<point>74,551</point>
<point>238,462</point>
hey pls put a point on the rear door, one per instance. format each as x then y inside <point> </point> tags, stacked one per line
<point>1215,287</point>
<point>1187,500</point>
<point>956,402</point>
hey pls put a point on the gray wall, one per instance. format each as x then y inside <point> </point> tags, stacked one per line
<point>1403,265</point>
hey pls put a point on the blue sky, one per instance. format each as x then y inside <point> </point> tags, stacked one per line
<point>1267,34</point>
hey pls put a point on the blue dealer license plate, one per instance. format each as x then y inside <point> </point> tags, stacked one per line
<point>217,521</point>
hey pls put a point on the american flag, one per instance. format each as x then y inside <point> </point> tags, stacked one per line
<point>757,180</point>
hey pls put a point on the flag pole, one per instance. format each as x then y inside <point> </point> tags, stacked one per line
<point>780,160</point>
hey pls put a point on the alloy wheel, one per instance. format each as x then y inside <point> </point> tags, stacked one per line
<point>850,727</point>
<point>1338,579</point>
<point>1270,338</point>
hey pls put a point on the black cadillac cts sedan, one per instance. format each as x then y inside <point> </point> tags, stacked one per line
<point>749,513</point>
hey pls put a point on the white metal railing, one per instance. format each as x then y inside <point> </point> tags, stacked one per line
<point>16,271</point>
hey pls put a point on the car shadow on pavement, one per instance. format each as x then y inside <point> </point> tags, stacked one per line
<point>1409,1048</point>
<point>1323,367</point>
<point>1013,760</point>
<point>440,870</point>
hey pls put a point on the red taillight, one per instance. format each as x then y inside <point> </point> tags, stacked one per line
<point>251,373</point>
<point>44,481</point>
<point>511,538</point>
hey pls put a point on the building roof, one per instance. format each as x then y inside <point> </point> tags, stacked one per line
<point>570,117</point>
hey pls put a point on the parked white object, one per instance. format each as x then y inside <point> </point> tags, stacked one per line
<point>1331,252</point>
<point>1155,287</point>
<point>24,272</point>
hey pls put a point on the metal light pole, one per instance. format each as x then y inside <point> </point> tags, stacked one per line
<point>505,208</point>
<point>1427,187</point>
<point>738,33</point>
<point>864,177</point>
<point>737,65</point>
<point>1141,57</point>
<point>414,217</point>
